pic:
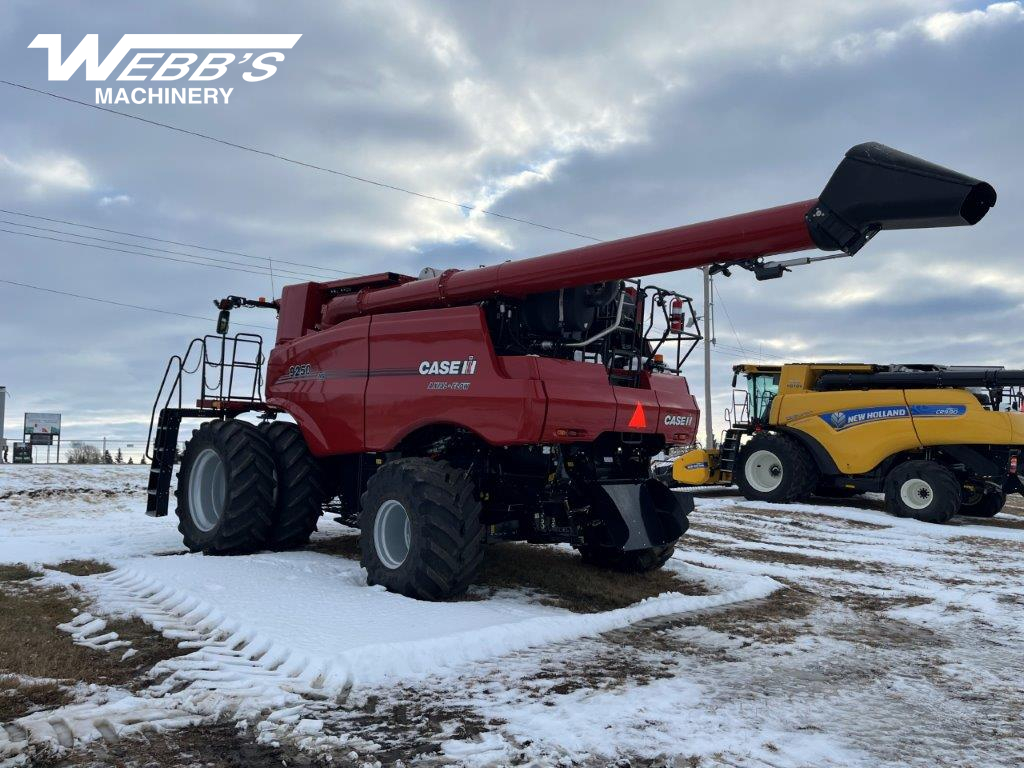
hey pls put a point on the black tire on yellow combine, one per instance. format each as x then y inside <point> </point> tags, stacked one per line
<point>923,490</point>
<point>982,504</point>
<point>775,467</point>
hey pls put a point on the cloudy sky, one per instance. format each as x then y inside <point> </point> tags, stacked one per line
<point>607,119</point>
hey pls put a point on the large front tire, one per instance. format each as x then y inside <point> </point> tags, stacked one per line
<point>300,486</point>
<point>774,467</point>
<point>923,490</point>
<point>421,533</point>
<point>225,489</point>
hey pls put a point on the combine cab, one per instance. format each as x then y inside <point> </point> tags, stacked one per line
<point>521,401</point>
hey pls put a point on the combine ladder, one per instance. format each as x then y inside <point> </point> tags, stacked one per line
<point>730,450</point>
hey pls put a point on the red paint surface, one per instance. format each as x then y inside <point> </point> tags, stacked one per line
<point>735,238</point>
<point>363,390</point>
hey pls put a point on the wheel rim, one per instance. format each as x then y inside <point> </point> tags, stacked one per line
<point>392,533</point>
<point>763,471</point>
<point>916,493</point>
<point>207,489</point>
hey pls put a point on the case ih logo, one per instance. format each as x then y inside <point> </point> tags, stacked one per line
<point>168,58</point>
<point>448,367</point>
<point>673,420</point>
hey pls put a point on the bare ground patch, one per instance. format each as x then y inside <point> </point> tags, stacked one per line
<point>20,697</point>
<point>650,650</point>
<point>782,511</point>
<point>558,578</point>
<point>17,572</point>
<point>999,521</point>
<point>409,727</point>
<point>778,618</point>
<point>784,557</point>
<point>860,601</point>
<point>31,646</point>
<point>50,493</point>
<point>211,746</point>
<point>81,567</point>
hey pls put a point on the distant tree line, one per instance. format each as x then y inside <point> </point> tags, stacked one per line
<point>83,453</point>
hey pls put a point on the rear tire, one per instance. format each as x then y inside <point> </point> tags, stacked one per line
<point>225,489</point>
<point>421,534</point>
<point>300,491</point>
<point>775,467</point>
<point>983,504</point>
<point>636,561</point>
<point>923,490</point>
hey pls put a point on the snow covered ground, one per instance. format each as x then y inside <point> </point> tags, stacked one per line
<point>826,636</point>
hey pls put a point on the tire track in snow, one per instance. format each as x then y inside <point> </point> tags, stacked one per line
<point>236,672</point>
<point>231,671</point>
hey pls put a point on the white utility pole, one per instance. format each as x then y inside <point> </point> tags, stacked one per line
<point>709,440</point>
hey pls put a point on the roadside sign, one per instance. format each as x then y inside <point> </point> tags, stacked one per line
<point>37,438</point>
<point>22,453</point>
<point>42,423</point>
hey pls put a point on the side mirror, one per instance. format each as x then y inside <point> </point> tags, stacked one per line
<point>222,321</point>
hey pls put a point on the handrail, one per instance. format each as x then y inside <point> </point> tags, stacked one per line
<point>205,366</point>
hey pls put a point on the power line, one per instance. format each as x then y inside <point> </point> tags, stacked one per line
<point>132,253</point>
<point>152,248</point>
<point>121,303</point>
<point>727,317</point>
<point>301,163</point>
<point>170,242</point>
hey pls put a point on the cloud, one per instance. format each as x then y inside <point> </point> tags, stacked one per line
<point>49,173</point>
<point>941,27</point>
<point>108,200</point>
<point>948,25</point>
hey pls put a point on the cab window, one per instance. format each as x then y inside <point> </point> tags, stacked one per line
<point>761,388</point>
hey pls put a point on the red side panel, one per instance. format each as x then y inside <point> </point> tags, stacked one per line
<point>320,380</point>
<point>300,310</point>
<point>637,409</point>
<point>579,399</point>
<point>679,415</point>
<point>367,383</point>
<point>412,383</point>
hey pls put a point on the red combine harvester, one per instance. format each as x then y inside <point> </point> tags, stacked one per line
<point>520,401</point>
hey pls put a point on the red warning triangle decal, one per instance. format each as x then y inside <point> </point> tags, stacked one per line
<point>639,420</point>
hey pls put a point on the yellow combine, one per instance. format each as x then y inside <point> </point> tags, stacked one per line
<point>936,440</point>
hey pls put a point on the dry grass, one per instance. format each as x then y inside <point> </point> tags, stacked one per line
<point>17,573</point>
<point>782,557</point>
<point>558,578</point>
<point>20,697</point>
<point>1001,520</point>
<point>564,581</point>
<point>32,646</point>
<point>779,618</point>
<point>346,546</point>
<point>219,745</point>
<point>81,567</point>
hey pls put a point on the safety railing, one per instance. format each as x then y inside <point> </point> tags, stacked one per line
<point>229,368</point>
